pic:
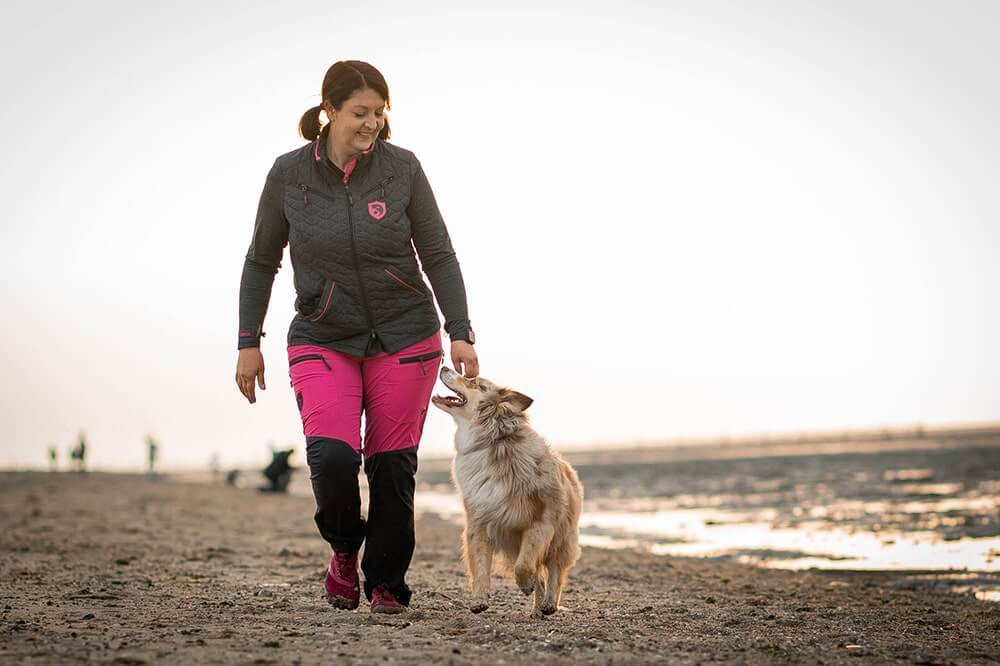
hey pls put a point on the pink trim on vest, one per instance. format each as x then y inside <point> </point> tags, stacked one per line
<point>349,167</point>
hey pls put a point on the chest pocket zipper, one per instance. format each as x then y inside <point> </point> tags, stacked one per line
<point>380,187</point>
<point>306,191</point>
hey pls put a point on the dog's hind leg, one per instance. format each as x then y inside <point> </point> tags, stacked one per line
<point>479,562</point>
<point>534,543</point>
<point>553,589</point>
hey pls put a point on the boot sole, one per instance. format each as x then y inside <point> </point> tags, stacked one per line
<point>388,610</point>
<point>343,603</point>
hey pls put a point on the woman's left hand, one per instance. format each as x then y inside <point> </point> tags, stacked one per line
<point>464,359</point>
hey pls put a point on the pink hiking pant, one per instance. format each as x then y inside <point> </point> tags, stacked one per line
<point>393,390</point>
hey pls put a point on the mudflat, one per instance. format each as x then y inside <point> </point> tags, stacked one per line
<point>118,569</point>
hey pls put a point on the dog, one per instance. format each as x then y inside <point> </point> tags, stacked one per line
<point>522,500</point>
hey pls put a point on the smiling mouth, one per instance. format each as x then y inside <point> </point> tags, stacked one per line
<point>457,400</point>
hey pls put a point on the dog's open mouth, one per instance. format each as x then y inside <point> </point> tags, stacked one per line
<point>457,400</point>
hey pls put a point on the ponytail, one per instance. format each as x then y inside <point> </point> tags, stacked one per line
<point>309,125</point>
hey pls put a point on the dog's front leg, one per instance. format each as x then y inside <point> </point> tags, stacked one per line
<point>479,560</point>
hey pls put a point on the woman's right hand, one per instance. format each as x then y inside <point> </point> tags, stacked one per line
<point>250,366</point>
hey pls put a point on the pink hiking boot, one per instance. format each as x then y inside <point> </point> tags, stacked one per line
<point>342,589</point>
<point>383,601</point>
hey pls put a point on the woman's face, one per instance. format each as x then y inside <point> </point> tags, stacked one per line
<point>355,125</point>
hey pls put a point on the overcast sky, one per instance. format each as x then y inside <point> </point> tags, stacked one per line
<point>673,219</point>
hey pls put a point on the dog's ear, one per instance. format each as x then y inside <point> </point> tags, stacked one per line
<point>520,401</point>
<point>507,420</point>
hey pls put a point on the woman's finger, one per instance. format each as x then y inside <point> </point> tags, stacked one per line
<point>260,379</point>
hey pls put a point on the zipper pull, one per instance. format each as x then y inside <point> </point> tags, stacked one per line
<point>350,199</point>
<point>305,193</point>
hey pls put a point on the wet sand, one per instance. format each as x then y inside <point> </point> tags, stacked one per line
<point>116,569</point>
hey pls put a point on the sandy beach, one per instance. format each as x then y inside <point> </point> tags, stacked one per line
<point>117,569</point>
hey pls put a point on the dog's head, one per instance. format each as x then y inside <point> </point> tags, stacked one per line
<point>479,401</point>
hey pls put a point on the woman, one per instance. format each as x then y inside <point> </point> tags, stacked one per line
<point>366,335</point>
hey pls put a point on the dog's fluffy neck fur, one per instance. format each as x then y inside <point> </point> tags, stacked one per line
<point>488,435</point>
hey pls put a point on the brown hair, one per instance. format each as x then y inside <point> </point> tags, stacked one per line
<point>342,80</point>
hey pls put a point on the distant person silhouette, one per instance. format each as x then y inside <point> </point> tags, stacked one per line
<point>53,459</point>
<point>278,473</point>
<point>151,451</point>
<point>79,454</point>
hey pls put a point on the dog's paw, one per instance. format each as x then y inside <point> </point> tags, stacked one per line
<point>547,608</point>
<point>478,605</point>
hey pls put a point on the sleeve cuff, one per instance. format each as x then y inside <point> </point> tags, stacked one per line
<point>461,330</point>
<point>247,339</point>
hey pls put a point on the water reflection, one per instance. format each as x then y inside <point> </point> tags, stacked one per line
<point>931,510</point>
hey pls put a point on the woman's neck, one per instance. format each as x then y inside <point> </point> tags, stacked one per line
<point>339,157</point>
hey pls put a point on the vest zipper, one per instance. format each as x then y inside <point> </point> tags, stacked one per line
<point>403,282</point>
<point>357,270</point>
<point>325,299</point>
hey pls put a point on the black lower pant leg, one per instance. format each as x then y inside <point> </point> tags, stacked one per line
<point>389,538</point>
<point>333,469</point>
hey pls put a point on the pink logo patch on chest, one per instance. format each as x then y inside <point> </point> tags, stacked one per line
<point>377,209</point>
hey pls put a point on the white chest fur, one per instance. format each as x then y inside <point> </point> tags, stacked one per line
<point>501,492</point>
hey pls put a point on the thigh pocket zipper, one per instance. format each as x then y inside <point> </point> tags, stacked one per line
<point>429,356</point>
<point>421,358</point>
<point>309,357</point>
